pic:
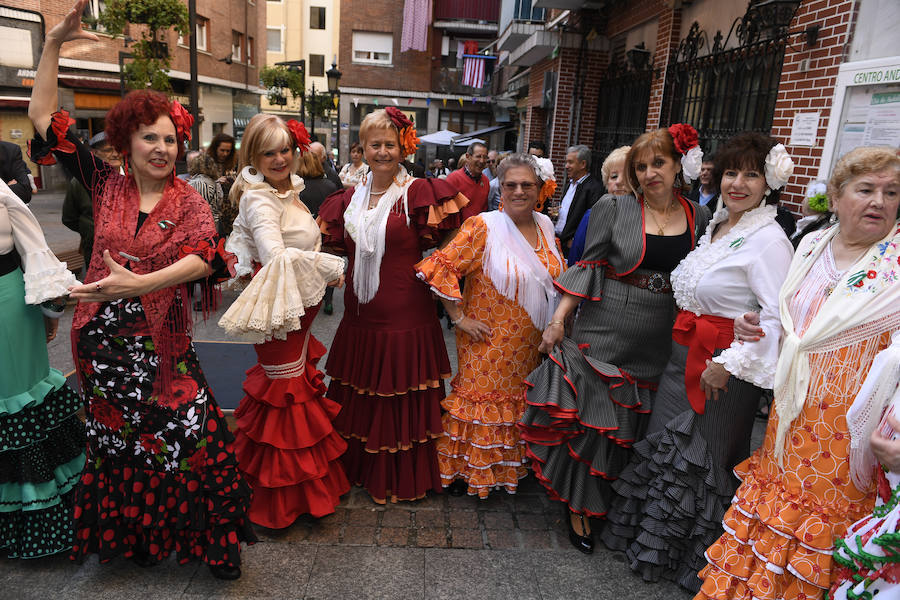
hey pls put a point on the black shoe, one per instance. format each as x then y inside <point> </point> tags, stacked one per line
<point>226,572</point>
<point>143,559</point>
<point>328,308</point>
<point>458,488</point>
<point>583,543</point>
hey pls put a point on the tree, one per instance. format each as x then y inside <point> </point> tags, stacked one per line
<point>151,60</point>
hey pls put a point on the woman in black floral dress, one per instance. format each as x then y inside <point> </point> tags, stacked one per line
<point>161,474</point>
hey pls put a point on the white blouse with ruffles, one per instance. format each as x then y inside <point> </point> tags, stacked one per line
<point>277,232</point>
<point>741,271</point>
<point>45,277</point>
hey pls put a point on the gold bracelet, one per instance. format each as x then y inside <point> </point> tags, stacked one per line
<point>557,322</point>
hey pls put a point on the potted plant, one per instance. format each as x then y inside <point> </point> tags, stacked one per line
<point>151,60</point>
<point>279,78</point>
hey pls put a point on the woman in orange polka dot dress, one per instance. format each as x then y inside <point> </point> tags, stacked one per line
<point>839,304</point>
<point>509,259</point>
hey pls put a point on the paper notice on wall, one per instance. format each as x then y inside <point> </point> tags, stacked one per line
<point>883,122</point>
<point>804,129</point>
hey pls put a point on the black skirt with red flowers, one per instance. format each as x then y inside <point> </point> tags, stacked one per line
<point>161,474</point>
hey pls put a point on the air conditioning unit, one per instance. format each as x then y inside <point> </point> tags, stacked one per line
<point>548,96</point>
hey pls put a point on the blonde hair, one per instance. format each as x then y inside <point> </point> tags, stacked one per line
<point>615,157</point>
<point>264,132</point>
<point>309,166</point>
<point>861,161</point>
<point>376,120</point>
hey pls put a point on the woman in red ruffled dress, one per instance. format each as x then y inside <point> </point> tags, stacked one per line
<point>287,448</point>
<point>161,475</point>
<point>388,359</point>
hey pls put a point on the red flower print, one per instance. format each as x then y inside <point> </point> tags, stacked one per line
<point>150,443</point>
<point>871,274</point>
<point>184,390</point>
<point>884,486</point>
<point>197,461</point>
<point>107,416</point>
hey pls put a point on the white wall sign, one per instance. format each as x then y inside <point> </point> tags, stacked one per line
<point>804,129</point>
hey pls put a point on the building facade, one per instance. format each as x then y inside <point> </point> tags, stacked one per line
<point>426,84</point>
<point>229,34</point>
<point>819,75</point>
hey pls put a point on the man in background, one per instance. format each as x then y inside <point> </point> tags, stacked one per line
<point>471,181</point>
<point>330,173</point>
<point>581,192</point>
<point>14,171</point>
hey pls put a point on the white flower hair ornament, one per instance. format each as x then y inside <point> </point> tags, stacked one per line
<point>691,164</point>
<point>544,171</point>
<point>779,167</point>
<point>687,144</point>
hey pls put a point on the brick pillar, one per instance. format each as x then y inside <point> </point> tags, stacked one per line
<point>667,38</point>
<point>812,89</point>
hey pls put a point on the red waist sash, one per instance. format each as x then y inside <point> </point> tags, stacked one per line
<point>702,335</point>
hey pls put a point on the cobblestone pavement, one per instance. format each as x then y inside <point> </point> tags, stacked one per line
<point>440,547</point>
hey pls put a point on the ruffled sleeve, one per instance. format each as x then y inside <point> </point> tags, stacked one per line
<point>585,278</point>
<point>460,257</point>
<point>45,277</point>
<point>331,220</point>
<point>434,209</point>
<point>60,144</point>
<point>755,361</point>
<point>289,281</point>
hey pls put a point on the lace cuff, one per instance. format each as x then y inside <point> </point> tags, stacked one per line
<point>41,151</point>
<point>743,363</point>
<point>237,245</point>
<point>276,299</point>
<point>47,278</point>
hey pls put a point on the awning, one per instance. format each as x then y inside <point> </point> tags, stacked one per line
<point>14,102</point>
<point>464,138</point>
<point>90,83</point>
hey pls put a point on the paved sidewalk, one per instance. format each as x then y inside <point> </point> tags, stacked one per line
<point>439,547</point>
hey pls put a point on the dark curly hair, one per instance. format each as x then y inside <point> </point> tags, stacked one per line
<point>212,150</point>
<point>746,150</point>
<point>140,107</point>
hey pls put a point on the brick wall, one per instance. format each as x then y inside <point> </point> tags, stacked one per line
<point>813,89</point>
<point>411,70</point>
<point>638,11</point>
<point>667,38</point>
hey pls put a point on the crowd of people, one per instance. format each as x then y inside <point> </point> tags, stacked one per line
<point>615,339</point>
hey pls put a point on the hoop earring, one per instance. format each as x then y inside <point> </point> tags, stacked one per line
<point>251,175</point>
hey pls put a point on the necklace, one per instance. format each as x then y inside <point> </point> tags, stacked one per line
<point>661,229</point>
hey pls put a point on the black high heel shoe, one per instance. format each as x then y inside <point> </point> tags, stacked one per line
<point>459,487</point>
<point>142,559</point>
<point>583,543</point>
<point>226,572</point>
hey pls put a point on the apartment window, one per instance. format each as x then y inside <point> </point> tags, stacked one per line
<point>92,12</point>
<point>372,48</point>
<point>317,65</point>
<point>463,121</point>
<point>237,46</point>
<point>523,10</point>
<point>251,51</point>
<point>317,17</point>
<point>273,40</point>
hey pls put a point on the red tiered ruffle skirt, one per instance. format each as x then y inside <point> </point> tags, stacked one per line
<point>286,445</point>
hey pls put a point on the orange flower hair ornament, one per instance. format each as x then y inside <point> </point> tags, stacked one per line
<point>545,172</point>
<point>300,135</point>
<point>409,140</point>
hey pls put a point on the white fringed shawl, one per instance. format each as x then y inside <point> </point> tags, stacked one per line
<point>512,266</point>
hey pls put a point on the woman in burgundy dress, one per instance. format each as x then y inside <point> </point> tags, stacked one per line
<point>388,359</point>
<point>161,476</point>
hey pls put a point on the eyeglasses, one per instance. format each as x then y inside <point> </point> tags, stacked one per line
<point>526,186</point>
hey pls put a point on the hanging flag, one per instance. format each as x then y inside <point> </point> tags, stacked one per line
<point>408,101</point>
<point>474,99</point>
<point>355,102</point>
<point>394,100</point>
<point>427,101</point>
<point>445,102</point>
<point>460,100</point>
<point>473,66</point>
<point>376,101</point>
<point>336,100</point>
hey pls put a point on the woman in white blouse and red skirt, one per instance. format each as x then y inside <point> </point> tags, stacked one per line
<point>672,496</point>
<point>286,445</point>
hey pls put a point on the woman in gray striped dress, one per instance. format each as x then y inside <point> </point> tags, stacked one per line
<point>592,399</point>
<point>672,496</point>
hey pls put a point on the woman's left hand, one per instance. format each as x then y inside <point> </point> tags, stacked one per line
<point>713,379</point>
<point>120,283</point>
<point>886,450</point>
<point>51,326</point>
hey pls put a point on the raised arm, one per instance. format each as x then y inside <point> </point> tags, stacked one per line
<point>44,95</point>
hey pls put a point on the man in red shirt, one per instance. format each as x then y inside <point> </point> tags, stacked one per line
<point>471,182</point>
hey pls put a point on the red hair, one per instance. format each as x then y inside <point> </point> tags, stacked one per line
<point>140,107</point>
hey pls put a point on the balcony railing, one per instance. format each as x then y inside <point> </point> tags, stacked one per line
<point>448,80</point>
<point>467,10</point>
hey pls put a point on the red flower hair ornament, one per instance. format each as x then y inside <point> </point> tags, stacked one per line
<point>183,120</point>
<point>687,143</point>
<point>409,140</point>
<point>300,135</point>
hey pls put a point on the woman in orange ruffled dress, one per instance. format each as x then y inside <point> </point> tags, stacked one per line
<point>809,482</point>
<point>388,358</point>
<point>286,445</point>
<point>509,259</point>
